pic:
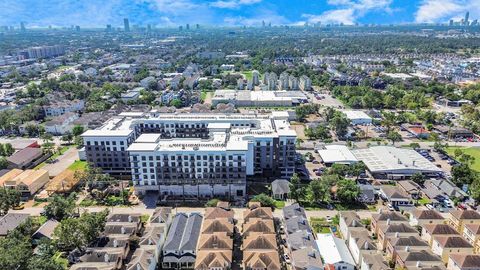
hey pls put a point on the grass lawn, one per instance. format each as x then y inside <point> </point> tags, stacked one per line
<point>279,204</point>
<point>78,165</point>
<point>248,74</point>
<point>423,201</point>
<point>472,151</point>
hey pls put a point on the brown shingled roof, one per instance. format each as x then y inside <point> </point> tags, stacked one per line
<point>426,214</point>
<point>465,214</point>
<point>452,241</point>
<point>440,229</point>
<point>466,261</point>
<point>474,228</point>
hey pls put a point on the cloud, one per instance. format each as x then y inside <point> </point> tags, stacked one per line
<point>345,16</point>
<point>349,11</point>
<point>264,15</point>
<point>233,4</point>
<point>444,10</point>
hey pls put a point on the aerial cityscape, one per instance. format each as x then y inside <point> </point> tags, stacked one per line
<point>240,134</point>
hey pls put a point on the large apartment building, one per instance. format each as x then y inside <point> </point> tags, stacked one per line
<point>194,154</point>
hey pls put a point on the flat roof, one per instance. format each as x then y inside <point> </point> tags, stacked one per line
<point>337,154</point>
<point>148,138</point>
<point>352,115</point>
<point>106,133</point>
<point>395,160</point>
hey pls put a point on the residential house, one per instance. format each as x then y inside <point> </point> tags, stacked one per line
<point>11,221</point>
<point>307,258</point>
<point>106,258</point>
<point>409,243</point>
<point>385,217</point>
<point>459,218</point>
<point>373,262</point>
<point>280,189</point>
<point>222,225</point>
<point>161,215</point>
<point>395,196</point>
<point>471,232</point>
<point>417,260</point>
<point>431,230</point>
<point>463,262</point>
<point>214,251</point>
<point>57,107</point>
<point>419,217</point>
<point>45,231</point>
<point>394,230</point>
<point>444,187</point>
<point>26,182</point>
<point>411,188</point>
<point>260,252</point>
<point>334,252</point>
<point>258,212</point>
<point>218,212</point>
<point>298,223</point>
<point>144,258</point>
<point>257,225</point>
<point>360,243</point>
<point>154,236</point>
<point>367,194</point>
<point>443,246</point>
<point>61,124</point>
<point>348,219</point>
<point>179,250</point>
<point>26,158</point>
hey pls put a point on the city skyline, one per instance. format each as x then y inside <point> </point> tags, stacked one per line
<point>168,13</point>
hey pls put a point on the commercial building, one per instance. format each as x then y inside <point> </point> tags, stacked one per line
<point>389,162</point>
<point>337,154</point>
<point>202,155</point>
<point>358,117</point>
<point>245,98</point>
<point>26,158</point>
<point>27,182</point>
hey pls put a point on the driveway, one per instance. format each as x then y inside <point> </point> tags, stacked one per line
<point>64,161</point>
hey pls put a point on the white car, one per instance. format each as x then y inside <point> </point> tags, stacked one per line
<point>390,207</point>
<point>429,206</point>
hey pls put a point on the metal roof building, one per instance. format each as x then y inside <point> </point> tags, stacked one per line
<point>395,163</point>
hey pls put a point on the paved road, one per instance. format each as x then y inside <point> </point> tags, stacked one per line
<point>63,162</point>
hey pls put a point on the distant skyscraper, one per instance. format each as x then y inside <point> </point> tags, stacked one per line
<point>22,27</point>
<point>109,28</point>
<point>149,27</point>
<point>126,25</point>
<point>467,15</point>
<point>188,26</point>
<point>197,26</point>
<point>180,28</point>
<point>451,22</point>
<point>263,24</point>
<point>77,28</point>
<point>269,24</point>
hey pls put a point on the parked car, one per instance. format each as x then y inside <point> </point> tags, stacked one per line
<point>429,206</point>
<point>390,207</point>
<point>286,258</point>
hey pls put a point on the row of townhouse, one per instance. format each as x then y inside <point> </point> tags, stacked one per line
<point>260,248</point>
<point>112,251</point>
<point>300,239</point>
<point>425,240</point>
<point>215,245</point>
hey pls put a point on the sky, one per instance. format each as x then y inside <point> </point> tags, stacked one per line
<point>170,13</point>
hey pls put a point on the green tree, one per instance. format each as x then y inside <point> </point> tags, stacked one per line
<point>264,200</point>
<point>394,137</point>
<point>9,198</point>
<point>77,130</point>
<point>347,191</point>
<point>340,124</point>
<point>418,178</point>
<point>7,149</point>
<point>60,207</point>
<point>67,138</point>
<point>177,103</point>
<point>3,163</point>
<point>295,188</point>
<point>320,190</point>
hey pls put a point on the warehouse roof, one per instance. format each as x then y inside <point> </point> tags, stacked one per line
<point>337,154</point>
<point>396,160</point>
